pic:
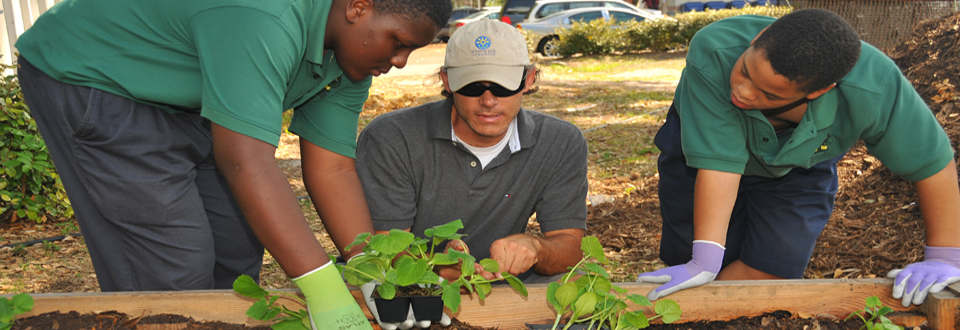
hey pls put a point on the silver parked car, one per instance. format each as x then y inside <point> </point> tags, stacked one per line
<point>485,13</point>
<point>544,31</point>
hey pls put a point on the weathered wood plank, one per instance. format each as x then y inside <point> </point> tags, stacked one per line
<point>721,300</point>
<point>504,308</point>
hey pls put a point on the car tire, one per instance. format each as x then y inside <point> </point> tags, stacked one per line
<point>550,46</point>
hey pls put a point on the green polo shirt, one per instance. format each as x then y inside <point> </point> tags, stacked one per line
<point>873,103</point>
<point>239,63</point>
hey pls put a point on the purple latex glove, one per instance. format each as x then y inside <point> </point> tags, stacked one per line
<point>940,268</point>
<point>702,269</point>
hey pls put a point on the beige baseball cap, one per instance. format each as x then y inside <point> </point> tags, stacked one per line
<point>486,50</point>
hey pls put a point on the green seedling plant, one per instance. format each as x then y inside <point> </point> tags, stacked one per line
<point>10,308</point>
<point>398,259</point>
<point>876,311</point>
<point>267,307</point>
<point>592,298</point>
<point>476,283</point>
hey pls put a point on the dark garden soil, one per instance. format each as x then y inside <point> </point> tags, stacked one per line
<point>120,321</point>
<point>876,225</point>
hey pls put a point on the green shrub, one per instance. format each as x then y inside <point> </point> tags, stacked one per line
<point>606,37</point>
<point>29,185</point>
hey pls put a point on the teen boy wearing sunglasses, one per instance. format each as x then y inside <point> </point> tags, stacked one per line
<point>479,157</point>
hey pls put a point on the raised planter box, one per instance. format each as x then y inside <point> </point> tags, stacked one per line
<point>503,308</point>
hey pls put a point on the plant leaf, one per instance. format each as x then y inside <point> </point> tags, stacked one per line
<point>410,270</point>
<point>451,296</point>
<point>517,285</point>
<point>444,259</point>
<point>246,286</point>
<point>6,310</point>
<point>387,291</point>
<point>490,265</point>
<point>596,269</point>
<point>639,299</point>
<point>590,245</point>
<point>22,303</point>
<point>585,305</point>
<point>552,296</point>
<point>289,324</point>
<point>261,310</point>
<point>566,294</point>
<point>668,309</point>
<point>360,239</point>
<point>445,231</point>
<point>391,243</point>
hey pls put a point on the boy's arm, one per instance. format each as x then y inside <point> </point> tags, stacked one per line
<point>334,187</point>
<point>267,201</point>
<point>714,195</point>
<point>939,200</point>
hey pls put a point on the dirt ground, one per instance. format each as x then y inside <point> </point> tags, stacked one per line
<point>876,225</point>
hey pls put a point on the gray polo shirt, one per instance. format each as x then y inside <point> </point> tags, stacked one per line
<point>415,176</point>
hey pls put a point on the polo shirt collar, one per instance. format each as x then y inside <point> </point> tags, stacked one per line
<point>315,34</point>
<point>439,125</point>
<point>823,110</point>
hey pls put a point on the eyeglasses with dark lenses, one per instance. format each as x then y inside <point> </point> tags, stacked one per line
<point>478,88</point>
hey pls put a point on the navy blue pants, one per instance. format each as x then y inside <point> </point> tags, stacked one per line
<point>154,210</point>
<point>775,221</point>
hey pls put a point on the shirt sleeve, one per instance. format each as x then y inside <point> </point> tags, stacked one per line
<point>563,202</point>
<point>712,134</point>
<point>245,58</point>
<point>330,120</point>
<point>906,136</point>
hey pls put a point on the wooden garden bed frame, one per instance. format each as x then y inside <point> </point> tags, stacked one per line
<point>503,308</point>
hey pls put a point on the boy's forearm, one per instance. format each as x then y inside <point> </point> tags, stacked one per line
<point>939,200</point>
<point>269,205</point>
<point>714,195</point>
<point>334,187</point>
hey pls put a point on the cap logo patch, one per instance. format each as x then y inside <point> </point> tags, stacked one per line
<point>483,43</point>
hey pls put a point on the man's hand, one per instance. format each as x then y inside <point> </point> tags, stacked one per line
<point>702,269</point>
<point>940,268</point>
<point>516,253</point>
<point>329,302</point>
<point>410,322</point>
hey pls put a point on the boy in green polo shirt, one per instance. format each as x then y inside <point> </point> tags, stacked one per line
<point>163,118</point>
<point>764,110</point>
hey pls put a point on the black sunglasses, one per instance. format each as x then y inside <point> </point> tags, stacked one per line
<point>478,88</point>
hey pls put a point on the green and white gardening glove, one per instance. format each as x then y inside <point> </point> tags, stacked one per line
<point>367,290</point>
<point>329,302</point>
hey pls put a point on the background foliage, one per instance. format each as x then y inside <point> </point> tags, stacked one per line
<point>29,185</point>
<point>670,32</point>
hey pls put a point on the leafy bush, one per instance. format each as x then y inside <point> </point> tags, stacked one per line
<point>606,37</point>
<point>29,185</point>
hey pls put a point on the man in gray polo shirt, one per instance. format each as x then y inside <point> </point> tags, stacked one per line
<point>479,157</point>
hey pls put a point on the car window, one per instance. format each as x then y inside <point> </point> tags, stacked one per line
<point>550,9</point>
<point>574,5</point>
<point>586,16</point>
<point>493,16</point>
<point>517,7</point>
<point>620,17</point>
<point>616,5</point>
